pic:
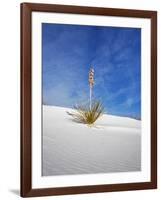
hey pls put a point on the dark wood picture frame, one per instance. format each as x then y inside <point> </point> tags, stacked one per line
<point>26,102</point>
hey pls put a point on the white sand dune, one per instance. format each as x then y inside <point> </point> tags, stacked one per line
<point>112,145</point>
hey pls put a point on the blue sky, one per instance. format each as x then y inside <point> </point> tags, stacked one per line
<point>115,54</point>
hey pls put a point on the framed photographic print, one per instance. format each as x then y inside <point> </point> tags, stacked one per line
<point>88,99</point>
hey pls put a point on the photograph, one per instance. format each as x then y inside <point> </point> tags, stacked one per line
<point>91,99</point>
<point>88,99</point>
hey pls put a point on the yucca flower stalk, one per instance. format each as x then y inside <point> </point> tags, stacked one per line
<point>91,84</point>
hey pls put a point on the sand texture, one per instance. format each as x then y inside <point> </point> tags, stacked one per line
<point>112,145</point>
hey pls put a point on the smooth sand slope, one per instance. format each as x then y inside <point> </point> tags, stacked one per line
<point>113,145</point>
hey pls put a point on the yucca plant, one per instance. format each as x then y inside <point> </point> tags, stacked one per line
<point>87,115</point>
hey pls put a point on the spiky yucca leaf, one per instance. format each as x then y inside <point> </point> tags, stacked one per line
<point>83,114</point>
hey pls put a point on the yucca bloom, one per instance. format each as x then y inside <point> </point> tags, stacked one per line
<point>91,84</point>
